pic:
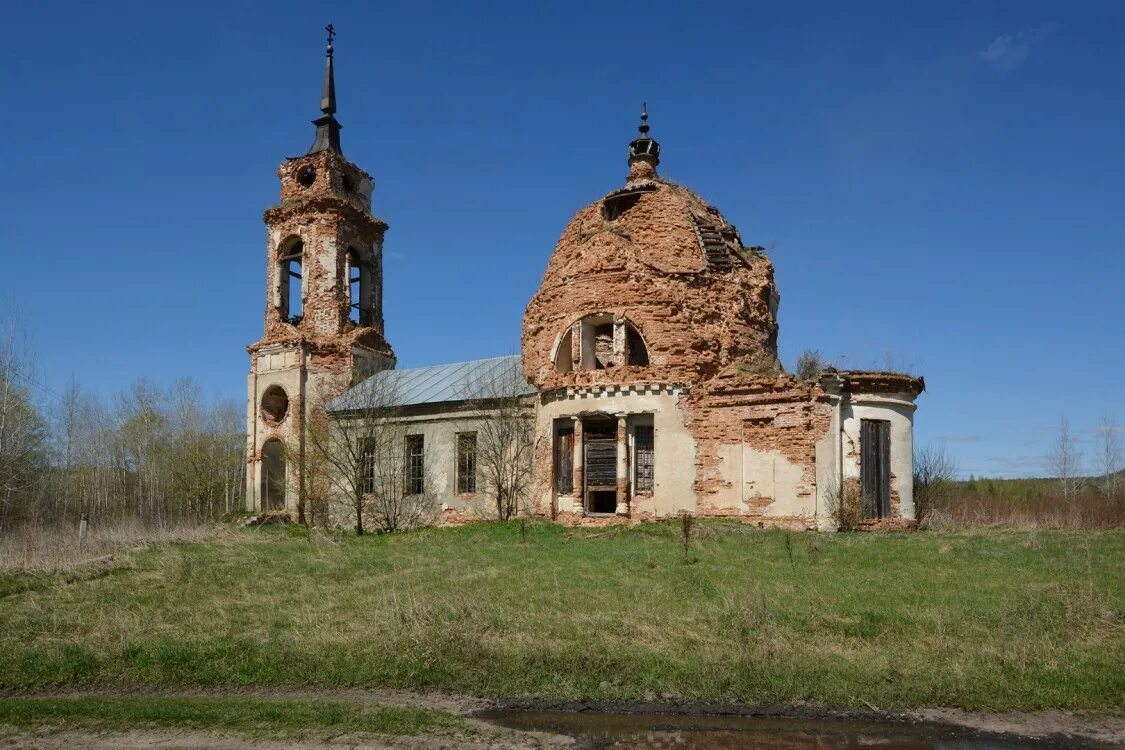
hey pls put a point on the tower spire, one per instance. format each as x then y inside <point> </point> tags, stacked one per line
<point>644,152</point>
<point>327,127</point>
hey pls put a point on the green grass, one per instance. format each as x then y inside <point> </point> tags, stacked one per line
<point>1000,620</point>
<point>254,717</point>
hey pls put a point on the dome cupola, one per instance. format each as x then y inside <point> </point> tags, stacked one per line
<point>649,284</point>
<point>644,152</point>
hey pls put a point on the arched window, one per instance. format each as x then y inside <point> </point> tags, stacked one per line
<point>564,356</point>
<point>289,282</point>
<point>636,351</point>
<point>274,481</point>
<point>597,342</point>
<point>359,289</point>
<point>604,342</point>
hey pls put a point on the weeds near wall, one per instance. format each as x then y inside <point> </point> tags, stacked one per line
<point>686,523</point>
<point>843,503</point>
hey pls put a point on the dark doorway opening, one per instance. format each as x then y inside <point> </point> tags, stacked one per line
<point>273,476</point>
<point>601,501</point>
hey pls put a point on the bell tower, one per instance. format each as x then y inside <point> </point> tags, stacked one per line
<point>324,304</point>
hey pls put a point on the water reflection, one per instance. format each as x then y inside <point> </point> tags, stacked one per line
<point>660,732</point>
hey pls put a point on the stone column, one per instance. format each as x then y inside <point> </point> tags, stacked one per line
<point>620,344</point>
<point>578,506</point>
<point>576,346</point>
<point>622,467</point>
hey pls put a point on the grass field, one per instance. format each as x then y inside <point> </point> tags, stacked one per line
<point>1001,620</point>
<point>251,717</point>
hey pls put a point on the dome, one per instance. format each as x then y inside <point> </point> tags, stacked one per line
<point>649,284</point>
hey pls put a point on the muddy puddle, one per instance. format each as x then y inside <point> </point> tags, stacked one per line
<point>695,732</point>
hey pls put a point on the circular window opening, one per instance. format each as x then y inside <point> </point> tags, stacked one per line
<point>275,404</point>
<point>306,176</point>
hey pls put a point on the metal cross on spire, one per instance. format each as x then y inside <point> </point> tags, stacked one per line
<point>327,128</point>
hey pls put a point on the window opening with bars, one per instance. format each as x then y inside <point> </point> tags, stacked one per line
<point>414,483</point>
<point>466,462</point>
<point>644,455</point>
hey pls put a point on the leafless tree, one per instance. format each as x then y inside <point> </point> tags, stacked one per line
<point>505,438</point>
<point>23,432</point>
<point>1110,455</point>
<point>934,472</point>
<point>1065,460</point>
<point>360,452</point>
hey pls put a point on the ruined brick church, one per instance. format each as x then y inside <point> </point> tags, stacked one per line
<point>649,363</point>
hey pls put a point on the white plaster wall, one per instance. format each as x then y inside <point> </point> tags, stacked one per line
<point>275,366</point>
<point>899,411</point>
<point>439,433</point>
<point>673,444</point>
<point>771,474</point>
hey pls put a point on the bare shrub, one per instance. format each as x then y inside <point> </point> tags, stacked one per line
<point>505,434</point>
<point>842,500</point>
<point>983,502</point>
<point>810,364</point>
<point>360,457</point>
<point>934,474</point>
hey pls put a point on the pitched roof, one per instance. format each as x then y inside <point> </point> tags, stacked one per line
<point>496,377</point>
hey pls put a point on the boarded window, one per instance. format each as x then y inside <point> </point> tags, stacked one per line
<point>644,457</point>
<point>564,460</point>
<point>600,443</point>
<point>414,479</point>
<point>875,467</point>
<point>466,462</point>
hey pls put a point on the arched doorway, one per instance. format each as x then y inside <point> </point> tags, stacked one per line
<point>273,476</point>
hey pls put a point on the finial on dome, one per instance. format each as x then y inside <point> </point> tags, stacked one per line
<point>327,128</point>
<point>644,153</point>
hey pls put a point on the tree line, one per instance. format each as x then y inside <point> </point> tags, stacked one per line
<point>156,454</point>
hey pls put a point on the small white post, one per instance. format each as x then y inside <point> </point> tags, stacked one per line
<point>83,531</point>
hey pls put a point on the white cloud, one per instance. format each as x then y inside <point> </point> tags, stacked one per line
<point>1007,51</point>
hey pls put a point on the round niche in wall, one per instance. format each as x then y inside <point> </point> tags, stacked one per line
<point>275,404</point>
<point>306,175</point>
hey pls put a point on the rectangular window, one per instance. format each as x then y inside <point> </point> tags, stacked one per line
<point>367,480</point>
<point>875,467</point>
<point>564,460</point>
<point>466,462</point>
<point>414,483</point>
<point>644,456</point>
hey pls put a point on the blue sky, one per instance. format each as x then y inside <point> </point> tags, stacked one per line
<point>940,186</point>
